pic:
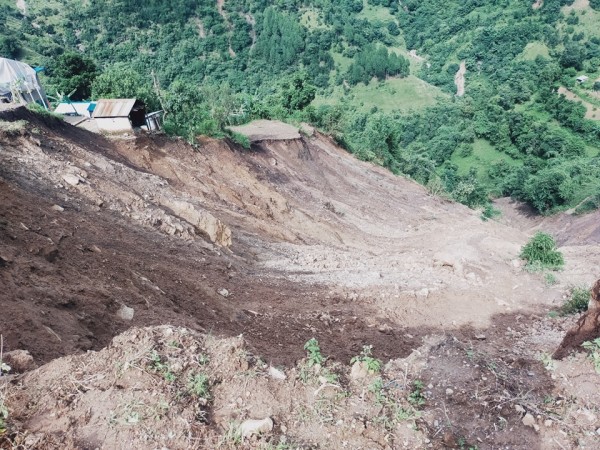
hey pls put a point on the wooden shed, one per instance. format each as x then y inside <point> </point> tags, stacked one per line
<point>119,115</point>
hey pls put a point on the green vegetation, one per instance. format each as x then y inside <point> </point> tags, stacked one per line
<point>199,386</point>
<point>577,302</point>
<point>540,253</point>
<point>313,352</point>
<point>366,356</point>
<point>159,366</point>
<point>593,348</point>
<point>345,67</point>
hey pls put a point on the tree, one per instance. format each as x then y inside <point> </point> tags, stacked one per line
<point>72,72</point>
<point>297,92</point>
<point>121,81</point>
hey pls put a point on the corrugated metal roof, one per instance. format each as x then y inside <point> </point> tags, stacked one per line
<point>118,107</point>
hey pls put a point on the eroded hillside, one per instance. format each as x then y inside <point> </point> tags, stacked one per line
<point>290,240</point>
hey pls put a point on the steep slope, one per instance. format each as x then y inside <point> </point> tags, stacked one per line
<point>290,240</point>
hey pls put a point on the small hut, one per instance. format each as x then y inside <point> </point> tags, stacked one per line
<point>119,115</point>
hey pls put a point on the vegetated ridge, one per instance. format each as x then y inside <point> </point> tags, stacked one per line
<point>351,68</point>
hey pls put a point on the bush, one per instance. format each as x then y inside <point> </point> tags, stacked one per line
<point>240,139</point>
<point>578,301</point>
<point>541,251</point>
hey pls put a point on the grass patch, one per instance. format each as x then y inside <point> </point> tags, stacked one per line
<point>394,94</point>
<point>541,253</point>
<point>481,158</point>
<point>535,49</point>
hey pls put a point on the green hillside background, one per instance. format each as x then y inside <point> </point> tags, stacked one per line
<point>378,75</point>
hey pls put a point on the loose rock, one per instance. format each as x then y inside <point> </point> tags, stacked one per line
<point>528,420</point>
<point>125,313</point>
<point>276,373</point>
<point>253,427</point>
<point>223,292</point>
<point>71,179</point>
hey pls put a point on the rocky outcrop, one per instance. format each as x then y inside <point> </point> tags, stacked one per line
<point>587,328</point>
<point>204,222</point>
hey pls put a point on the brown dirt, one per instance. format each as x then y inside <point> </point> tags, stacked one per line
<point>322,246</point>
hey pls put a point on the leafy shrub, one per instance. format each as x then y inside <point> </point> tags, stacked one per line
<point>577,302</point>
<point>313,352</point>
<point>541,251</point>
<point>489,212</point>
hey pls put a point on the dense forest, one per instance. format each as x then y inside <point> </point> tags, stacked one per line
<point>524,127</point>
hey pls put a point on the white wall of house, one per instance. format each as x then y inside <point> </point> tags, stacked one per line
<point>113,124</point>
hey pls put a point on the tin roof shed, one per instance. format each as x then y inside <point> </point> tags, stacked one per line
<point>120,108</point>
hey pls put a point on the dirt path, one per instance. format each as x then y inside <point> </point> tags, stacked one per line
<point>221,9</point>
<point>459,79</point>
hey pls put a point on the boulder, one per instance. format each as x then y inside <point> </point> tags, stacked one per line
<point>207,224</point>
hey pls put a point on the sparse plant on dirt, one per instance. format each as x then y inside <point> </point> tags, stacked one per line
<point>489,212</point>
<point>12,128</point>
<point>548,362</point>
<point>550,279</point>
<point>416,396</point>
<point>233,436</point>
<point>593,348</point>
<point>577,302</point>
<point>392,412</point>
<point>199,386</point>
<point>541,253</point>
<point>373,364</point>
<point>158,366</point>
<point>313,351</point>
<point>203,359</point>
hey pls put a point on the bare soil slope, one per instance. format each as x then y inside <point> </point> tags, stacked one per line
<point>289,240</point>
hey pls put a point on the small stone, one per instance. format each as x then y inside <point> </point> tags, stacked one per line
<point>276,374</point>
<point>58,208</point>
<point>520,409</point>
<point>253,427</point>
<point>125,313</point>
<point>223,292</point>
<point>359,371</point>
<point>598,431</point>
<point>528,420</point>
<point>481,337</point>
<point>71,179</point>
<point>449,391</point>
<point>548,423</point>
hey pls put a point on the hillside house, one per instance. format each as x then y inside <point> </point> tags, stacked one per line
<point>119,115</point>
<point>582,79</point>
